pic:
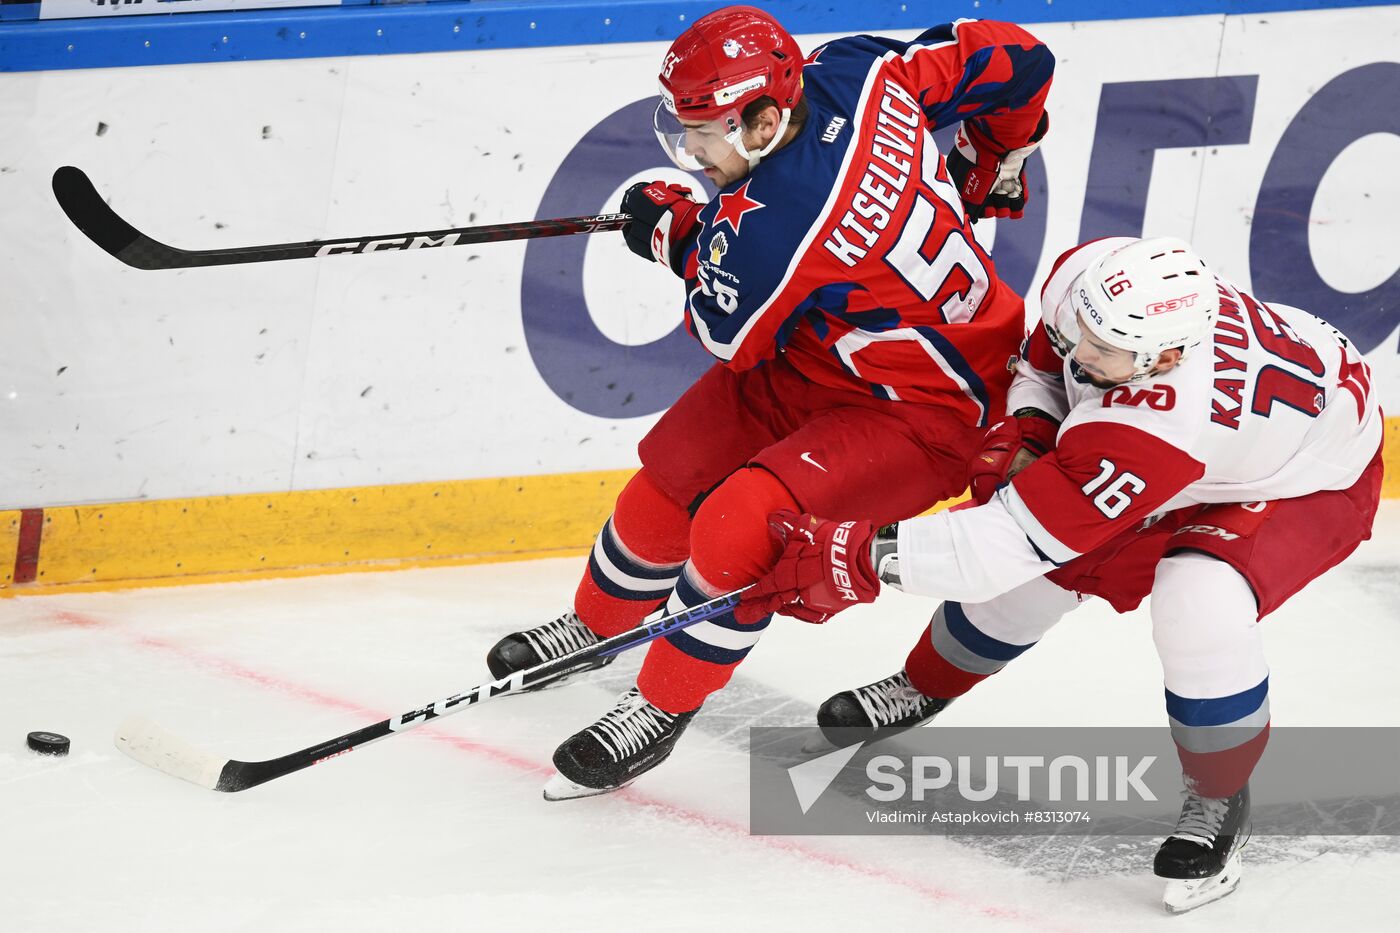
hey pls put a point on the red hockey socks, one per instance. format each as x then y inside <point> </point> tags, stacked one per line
<point>730,547</point>
<point>636,559</point>
<point>953,655</point>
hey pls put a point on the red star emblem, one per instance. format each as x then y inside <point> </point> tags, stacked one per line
<point>733,207</point>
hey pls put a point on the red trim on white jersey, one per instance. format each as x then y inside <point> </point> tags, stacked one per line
<point>1102,479</point>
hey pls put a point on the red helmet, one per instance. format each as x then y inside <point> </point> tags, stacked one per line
<point>727,59</point>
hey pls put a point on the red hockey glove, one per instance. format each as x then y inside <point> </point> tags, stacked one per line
<point>1009,447</point>
<point>824,568</point>
<point>991,183</point>
<point>664,218</point>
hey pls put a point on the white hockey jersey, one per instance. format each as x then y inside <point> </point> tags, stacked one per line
<point>1277,404</point>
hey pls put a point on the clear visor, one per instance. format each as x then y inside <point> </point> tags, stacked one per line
<point>1063,328</point>
<point>699,146</point>
<point>1072,339</point>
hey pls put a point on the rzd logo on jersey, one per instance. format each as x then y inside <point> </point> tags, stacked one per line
<point>1158,398</point>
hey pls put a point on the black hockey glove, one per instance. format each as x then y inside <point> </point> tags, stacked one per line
<point>664,220</point>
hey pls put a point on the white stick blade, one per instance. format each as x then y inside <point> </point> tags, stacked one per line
<point>154,747</point>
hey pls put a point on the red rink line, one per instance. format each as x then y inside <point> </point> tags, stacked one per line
<point>234,671</point>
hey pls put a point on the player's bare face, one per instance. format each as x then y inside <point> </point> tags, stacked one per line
<point>1105,365</point>
<point>707,144</point>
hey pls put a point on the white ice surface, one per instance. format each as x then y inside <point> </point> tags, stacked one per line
<point>444,829</point>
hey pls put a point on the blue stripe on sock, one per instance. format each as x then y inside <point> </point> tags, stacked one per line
<point>616,591</point>
<point>734,625</point>
<point>691,595</point>
<point>1217,711</point>
<point>687,591</point>
<point>704,651</point>
<point>974,639</point>
<point>620,560</point>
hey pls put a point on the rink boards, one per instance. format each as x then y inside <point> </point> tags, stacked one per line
<point>484,403</point>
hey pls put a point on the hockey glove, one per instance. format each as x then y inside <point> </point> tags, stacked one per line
<point>991,183</point>
<point>824,568</point>
<point>1009,447</point>
<point>664,219</point>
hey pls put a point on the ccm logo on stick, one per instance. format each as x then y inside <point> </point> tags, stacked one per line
<point>374,246</point>
<point>1158,398</point>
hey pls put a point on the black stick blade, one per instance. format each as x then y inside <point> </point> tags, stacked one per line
<point>157,748</point>
<point>90,214</point>
<point>88,211</point>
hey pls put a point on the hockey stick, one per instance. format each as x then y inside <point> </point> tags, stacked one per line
<point>92,215</point>
<point>154,747</point>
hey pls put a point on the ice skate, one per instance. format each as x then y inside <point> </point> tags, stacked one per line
<point>1201,858</point>
<point>876,711</point>
<point>520,650</point>
<point>630,739</point>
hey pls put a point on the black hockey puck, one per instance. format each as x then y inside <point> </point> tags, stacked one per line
<point>48,743</point>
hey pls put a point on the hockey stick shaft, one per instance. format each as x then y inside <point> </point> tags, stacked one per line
<point>92,215</point>
<point>153,746</point>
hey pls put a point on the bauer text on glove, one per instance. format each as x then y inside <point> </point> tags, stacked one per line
<point>825,567</point>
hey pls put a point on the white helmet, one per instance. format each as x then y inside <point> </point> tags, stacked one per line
<point>1146,297</point>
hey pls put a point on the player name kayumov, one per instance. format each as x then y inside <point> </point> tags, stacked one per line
<point>1107,778</point>
<point>886,175</point>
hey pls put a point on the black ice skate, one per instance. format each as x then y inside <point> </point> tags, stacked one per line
<point>1202,857</point>
<point>632,738</point>
<point>521,650</point>
<point>876,711</point>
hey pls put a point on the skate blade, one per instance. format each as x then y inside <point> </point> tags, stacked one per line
<point>1185,895</point>
<point>559,787</point>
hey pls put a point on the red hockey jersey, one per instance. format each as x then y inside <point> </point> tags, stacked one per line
<point>849,249</point>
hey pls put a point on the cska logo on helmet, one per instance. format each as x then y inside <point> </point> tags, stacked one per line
<point>1173,304</point>
<point>732,48</point>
